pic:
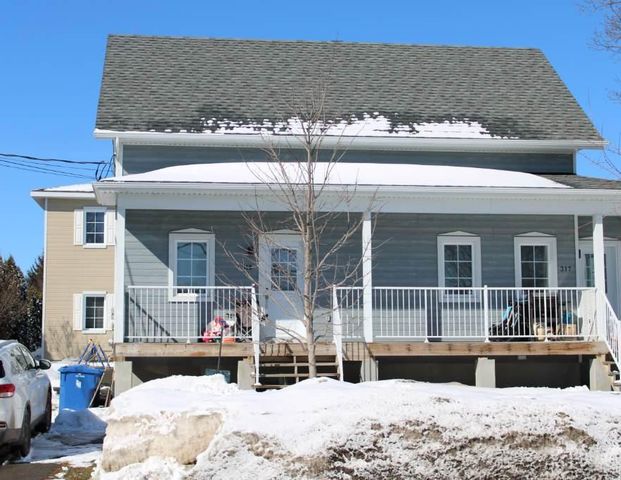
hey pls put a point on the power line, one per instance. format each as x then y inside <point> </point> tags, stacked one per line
<point>27,168</point>
<point>61,160</point>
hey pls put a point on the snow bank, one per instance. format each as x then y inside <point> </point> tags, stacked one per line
<point>342,173</point>
<point>390,429</point>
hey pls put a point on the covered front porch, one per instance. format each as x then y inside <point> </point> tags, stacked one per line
<point>508,267</point>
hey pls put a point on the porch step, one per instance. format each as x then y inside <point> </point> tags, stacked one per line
<point>296,375</point>
<point>288,364</point>
<point>280,371</point>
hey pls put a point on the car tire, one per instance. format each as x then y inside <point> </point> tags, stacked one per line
<point>23,449</point>
<point>46,422</point>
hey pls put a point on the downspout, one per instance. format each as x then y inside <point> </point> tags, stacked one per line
<point>44,292</point>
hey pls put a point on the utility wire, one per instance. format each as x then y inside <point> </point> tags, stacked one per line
<point>27,168</point>
<point>61,160</point>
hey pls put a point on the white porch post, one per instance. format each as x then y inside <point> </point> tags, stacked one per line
<point>119,274</point>
<point>599,270</point>
<point>367,276</point>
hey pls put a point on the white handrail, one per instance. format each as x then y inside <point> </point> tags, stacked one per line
<point>473,313</point>
<point>612,331</point>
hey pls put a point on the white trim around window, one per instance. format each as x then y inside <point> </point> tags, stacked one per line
<point>535,239</point>
<point>191,236</point>
<point>80,314</point>
<point>459,239</point>
<point>85,233</point>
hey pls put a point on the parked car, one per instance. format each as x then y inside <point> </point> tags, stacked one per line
<point>25,397</point>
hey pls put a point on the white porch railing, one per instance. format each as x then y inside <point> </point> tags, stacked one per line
<point>612,332</point>
<point>477,314</point>
<point>190,314</point>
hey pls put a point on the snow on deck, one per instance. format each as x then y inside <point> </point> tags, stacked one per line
<point>322,428</point>
<point>374,174</point>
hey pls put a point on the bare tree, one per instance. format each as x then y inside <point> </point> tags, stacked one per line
<point>302,179</point>
<point>608,39</point>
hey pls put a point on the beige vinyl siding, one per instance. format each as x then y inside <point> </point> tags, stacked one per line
<point>71,269</point>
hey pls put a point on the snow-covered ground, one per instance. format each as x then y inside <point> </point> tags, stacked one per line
<point>75,437</point>
<point>390,429</point>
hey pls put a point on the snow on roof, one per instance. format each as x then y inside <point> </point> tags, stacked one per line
<point>78,188</point>
<point>369,125</point>
<point>374,174</point>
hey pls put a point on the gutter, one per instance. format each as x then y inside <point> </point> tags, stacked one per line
<point>104,188</point>
<point>352,143</point>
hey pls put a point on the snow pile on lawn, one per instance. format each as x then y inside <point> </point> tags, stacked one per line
<point>341,173</point>
<point>391,429</point>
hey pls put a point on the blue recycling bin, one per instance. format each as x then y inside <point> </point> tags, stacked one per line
<point>78,384</point>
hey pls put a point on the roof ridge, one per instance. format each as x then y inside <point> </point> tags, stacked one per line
<point>304,41</point>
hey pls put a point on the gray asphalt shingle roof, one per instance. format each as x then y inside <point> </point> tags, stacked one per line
<point>585,183</point>
<point>173,84</point>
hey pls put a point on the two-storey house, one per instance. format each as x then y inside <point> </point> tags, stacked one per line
<point>483,257</point>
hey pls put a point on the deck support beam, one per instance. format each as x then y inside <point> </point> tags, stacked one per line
<point>367,276</point>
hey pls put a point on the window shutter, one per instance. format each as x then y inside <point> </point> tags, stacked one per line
<point>110,227</point>
<point>109,309</point>
<point>78,226</point>
<point>78,311</point>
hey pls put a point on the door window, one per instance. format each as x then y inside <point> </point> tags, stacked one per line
<point>534,265</point>
<point>284,269</point>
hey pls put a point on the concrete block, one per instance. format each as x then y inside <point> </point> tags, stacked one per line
<point>598,375</point>
<point>368,370</point>
<point>245,375</point>
<point>124,377</point>
<point>485,373</point>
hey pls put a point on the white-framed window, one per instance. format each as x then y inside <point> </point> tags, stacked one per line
<point>93,227</point>
<point>459,263</point>
<point>191,263</point>
<point>284,269</point>
<point>92,311</point>
<point>535,261</point>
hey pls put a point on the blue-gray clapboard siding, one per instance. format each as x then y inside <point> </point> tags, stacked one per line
<point>139,158</point>
<point>405,252</point>
<point>405,249</point>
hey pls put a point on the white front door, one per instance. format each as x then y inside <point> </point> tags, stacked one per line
<point>611,258</point>
<point>281,281</point>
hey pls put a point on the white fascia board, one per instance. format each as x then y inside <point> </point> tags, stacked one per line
<point>39,196</point>
<point>354,143</point>
<point>412,200</point>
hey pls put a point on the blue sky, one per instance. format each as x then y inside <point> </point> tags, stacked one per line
<point>51,58</point>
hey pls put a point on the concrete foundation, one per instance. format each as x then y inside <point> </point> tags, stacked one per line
<point>124,377</point>
<point>485,372</point>
<point>369,370</point>
<point>245,375</point>
<point>598,375</point>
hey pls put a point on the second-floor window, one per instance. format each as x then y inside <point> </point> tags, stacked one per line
<point>94,226</point>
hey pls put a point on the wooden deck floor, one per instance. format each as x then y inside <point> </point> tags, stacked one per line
<point>357,350</point>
